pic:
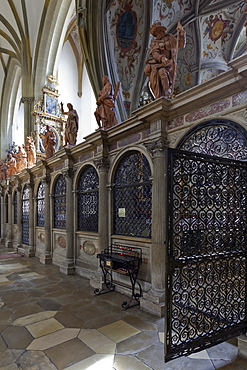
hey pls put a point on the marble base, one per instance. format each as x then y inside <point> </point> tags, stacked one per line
<point>27,251</point>
<point>9,244</point>
<point>154,303</point>
<point>67,267</point>
<point>45,259</point>
<point>242,346</point>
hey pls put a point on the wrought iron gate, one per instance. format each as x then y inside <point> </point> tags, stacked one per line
<point>207,252</point>
<point>25,216</point>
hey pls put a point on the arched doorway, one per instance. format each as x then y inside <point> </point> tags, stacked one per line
<point>207,238</point>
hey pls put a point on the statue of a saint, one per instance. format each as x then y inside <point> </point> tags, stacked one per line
<point>49,142</point>
<point>72,125</point>
<point>3,170</point>
<point>11,165</point>
<point>162,64</point>
<point>31,152</point>
<point>104,114</point>
<point>21,159</point>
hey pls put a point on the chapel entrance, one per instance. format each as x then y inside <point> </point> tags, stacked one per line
<point>207,257</point>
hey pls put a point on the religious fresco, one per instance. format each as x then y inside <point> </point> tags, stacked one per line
<point>217,30</point>
<point>170,11</point>
<point>186,61</point>
<point>126,28</point>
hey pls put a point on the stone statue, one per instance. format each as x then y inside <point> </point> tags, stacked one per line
<point>11,165</point>
<point>162,64</point>
<point>72,125</point>
<point>104,114</point>
<point>3,170</point>
<point>31,153</point>
<point>21,159</point>
<point>49,142</point>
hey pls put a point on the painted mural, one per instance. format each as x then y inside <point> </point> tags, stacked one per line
<point>170,11</point>
<point>126,28</point>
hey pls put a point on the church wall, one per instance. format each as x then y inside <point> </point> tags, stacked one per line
<point>152,128</point>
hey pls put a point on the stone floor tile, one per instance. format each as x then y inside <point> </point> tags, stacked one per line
<point>96,322</point>
<point>3,346</point>
<point>73,351</point>
<point>34,293</point>
<point>129,362</point>
<point>17,337</point>
<point>13,366</point>
<point>6,317</point>
<point>53,339</point>
<point>202,355</point>
<point>26,309</point>
<point>97,341</point>
<point>35,360</point>
<point>49,304</point>
<point>31,276</point>
<point>45,327</point>
<point>137,343</point>
<point>69,320</point>
<point>8,357</point>
<point>3,279</point>
<point>31,319</point>
<point>226,351</point>
<point>162,337</point>
<point>225,365</point>
<point>119,331</point>
<point>14,297</point>
<point>139,323</point>
<point>96,362</point>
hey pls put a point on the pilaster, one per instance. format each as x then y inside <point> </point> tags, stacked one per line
<point>9,236</point>
<point>47,258</point>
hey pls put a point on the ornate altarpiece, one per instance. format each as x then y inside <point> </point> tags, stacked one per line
<point>47,112</point>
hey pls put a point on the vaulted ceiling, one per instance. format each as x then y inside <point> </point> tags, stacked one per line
<point>33,32</point>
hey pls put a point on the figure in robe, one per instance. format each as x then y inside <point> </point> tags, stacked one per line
<point>72,125</point>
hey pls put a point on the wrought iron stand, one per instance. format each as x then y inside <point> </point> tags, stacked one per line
<point>125,261</point>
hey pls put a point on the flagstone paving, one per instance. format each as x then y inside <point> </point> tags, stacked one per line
<point>51,321</point>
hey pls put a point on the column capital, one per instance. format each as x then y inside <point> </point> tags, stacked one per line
<point>68,173</point>
<point>102,163</point>
<point>157,147</point>
<point>46,179</point>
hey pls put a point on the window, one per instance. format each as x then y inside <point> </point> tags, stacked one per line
<point>15,207</point>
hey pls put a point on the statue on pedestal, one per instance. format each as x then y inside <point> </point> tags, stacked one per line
<point>3,170</point>
<point>11,165</point>
<point>162,64</point>
<point>31,153</point>
<point>72,125</point>
<point>49,142</point>
<point>21,159</point>
<point>104,114</point>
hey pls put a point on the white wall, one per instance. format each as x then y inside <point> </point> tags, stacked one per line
<point>68,87</point>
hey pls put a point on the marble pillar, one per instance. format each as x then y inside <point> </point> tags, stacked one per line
<point>2,216</point>
<point>19,217</point>
<point>154,300</point>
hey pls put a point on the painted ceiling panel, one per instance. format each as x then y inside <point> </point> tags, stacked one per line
<point>34,14</point>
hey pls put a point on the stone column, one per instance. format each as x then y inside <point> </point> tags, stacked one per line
<point>28,107</point>
<point>154,300</point>
<point>47,258</point>
<point>9,236</point>
<point>68,267</point>
<point>102,165</point>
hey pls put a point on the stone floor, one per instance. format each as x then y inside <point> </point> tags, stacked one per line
<point>51,321</point>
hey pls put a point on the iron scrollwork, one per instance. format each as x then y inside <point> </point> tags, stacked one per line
<point>132,192</point>
<point>59,203</point>
<point>41,205</point>
<point>25,214</point>
<point>88,199</point>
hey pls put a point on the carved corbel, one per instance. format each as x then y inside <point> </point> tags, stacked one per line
<point>102,163</point>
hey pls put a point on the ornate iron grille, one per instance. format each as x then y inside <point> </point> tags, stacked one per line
<point>88,200</point>
<point>133,196</point>
<point>25,215</point>
<point>7,208</point>
<point>221,138</point>
<point>207,252</point>
<point>15,207</point>
<point>41,205</point>
<point>60,203</point>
